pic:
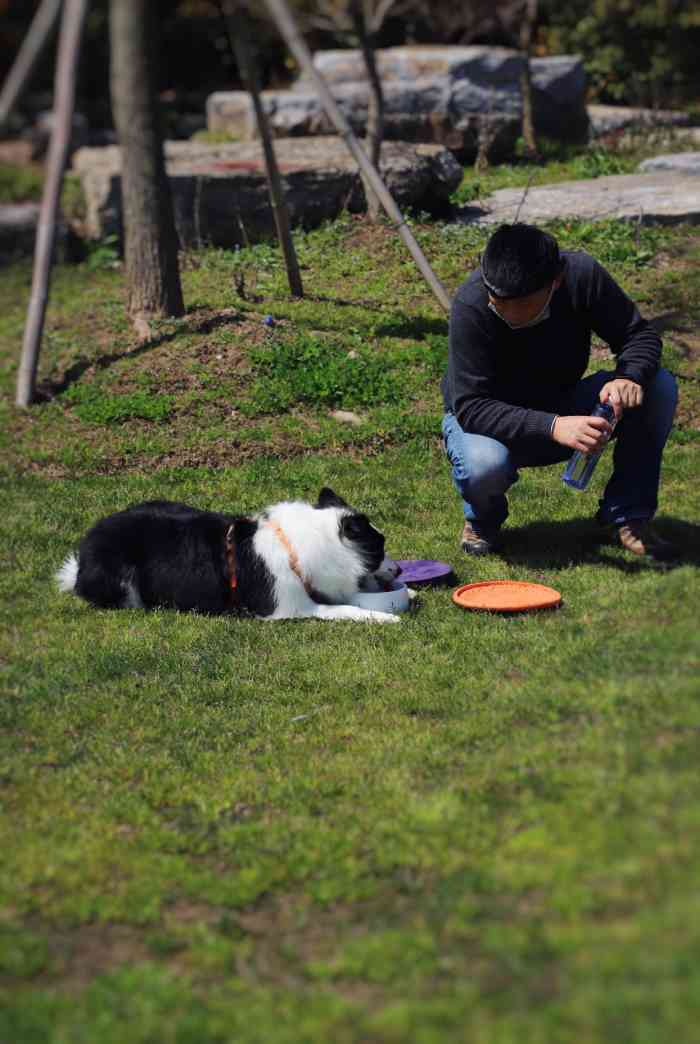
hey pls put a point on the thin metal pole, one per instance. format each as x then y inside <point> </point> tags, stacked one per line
<point>35,41</point>
<point>64,99</point>
<point>286,25</point>
<point>240,40</point>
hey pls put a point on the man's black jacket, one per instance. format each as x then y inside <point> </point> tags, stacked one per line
<point>510,384</point>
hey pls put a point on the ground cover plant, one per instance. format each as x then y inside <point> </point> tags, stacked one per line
<point>464,828</point>
<point>559,161</point>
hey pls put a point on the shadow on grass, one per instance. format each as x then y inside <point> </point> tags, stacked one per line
<point>354,302</point>
<point>465,213</point>
<point>417,328</point>
<point>549,545</point>
<point>49,389</point>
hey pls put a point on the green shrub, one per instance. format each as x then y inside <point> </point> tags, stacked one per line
<point>103,254</point>
<point>308,369</point>
<point>620,243</point>
<point>20,184</point>
<point>597,163</point>
<point>558,161</point>
<point>96,406</point>
<point>635,52</point>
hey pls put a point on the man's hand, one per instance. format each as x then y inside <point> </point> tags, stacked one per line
<point>622,394</point>
<point>587,434</point>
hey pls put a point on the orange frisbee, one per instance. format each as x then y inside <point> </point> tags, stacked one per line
<point>506,596</point>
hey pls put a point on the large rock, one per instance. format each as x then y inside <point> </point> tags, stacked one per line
<point>18,223</point>
<point>431,94</point>
<point>683,162</point>
<point>662,197</point>
<point>220,191</point>
<point>494,65</point>
<point>414,112</point>
<point>612,119</point>
<point>478,79</point>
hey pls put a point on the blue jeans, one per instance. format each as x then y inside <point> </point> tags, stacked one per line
<point>483,469</point>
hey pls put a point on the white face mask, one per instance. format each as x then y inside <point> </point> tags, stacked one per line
<point>541,317</point>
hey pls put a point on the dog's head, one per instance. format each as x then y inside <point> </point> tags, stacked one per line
<point>357,532</point>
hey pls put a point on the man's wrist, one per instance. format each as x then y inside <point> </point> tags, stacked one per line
<point>551,428</point>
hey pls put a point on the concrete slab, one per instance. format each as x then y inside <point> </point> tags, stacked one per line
<point>683,162</point>
<point>661,197</point>
<point>608,119</point>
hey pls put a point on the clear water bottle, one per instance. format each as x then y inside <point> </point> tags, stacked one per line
<point>582,465</point>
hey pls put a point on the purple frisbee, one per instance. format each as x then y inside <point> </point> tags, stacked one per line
<point>423,571</point>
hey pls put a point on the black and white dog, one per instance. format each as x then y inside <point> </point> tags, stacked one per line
<point>291,560</point>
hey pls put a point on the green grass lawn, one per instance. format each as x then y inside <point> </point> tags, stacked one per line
<point>466,828</point>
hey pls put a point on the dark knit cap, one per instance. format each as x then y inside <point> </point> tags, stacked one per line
<point>519,260</point>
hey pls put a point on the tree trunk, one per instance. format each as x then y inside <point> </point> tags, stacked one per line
<point>150,241</point>
<point>375,107</point>
<point>64,99</point>
<point>526,29</point>
<point>28,56</point>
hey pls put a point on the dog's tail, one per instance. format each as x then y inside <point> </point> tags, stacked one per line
<point>67,575</point>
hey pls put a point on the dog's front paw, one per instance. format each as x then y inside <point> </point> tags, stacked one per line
<point>378,617</point>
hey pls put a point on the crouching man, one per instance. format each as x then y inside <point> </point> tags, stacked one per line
<point>515,395</point>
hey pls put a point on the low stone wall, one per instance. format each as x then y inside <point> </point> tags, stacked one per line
<point>419,112</point>
<point>220,192</point>
<point>681,162</point>
<point>438,94</point>
<point>657,197</point>
<point>613,119</point>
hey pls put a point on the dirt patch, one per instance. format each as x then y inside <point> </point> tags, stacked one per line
<point>281,937</point>
<point>78,956</point>
<point>368,236</point>
<point>185,911</point>
<point>688,415</point>
<point>159,358</point>
<point>690,345</point>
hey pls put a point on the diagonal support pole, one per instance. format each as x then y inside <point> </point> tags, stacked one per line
<point>284,20</point>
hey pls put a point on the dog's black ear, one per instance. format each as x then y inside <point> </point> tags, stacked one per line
<point>242,529</point>
<point>327,498</point>
<point>358,528</point>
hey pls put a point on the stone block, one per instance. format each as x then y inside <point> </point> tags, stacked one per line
<point>683,162</point>
<point>661,197</point>
<point>220,193</point>
<point>430,94</point>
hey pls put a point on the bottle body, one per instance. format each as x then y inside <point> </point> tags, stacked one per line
<point>581,466</point>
